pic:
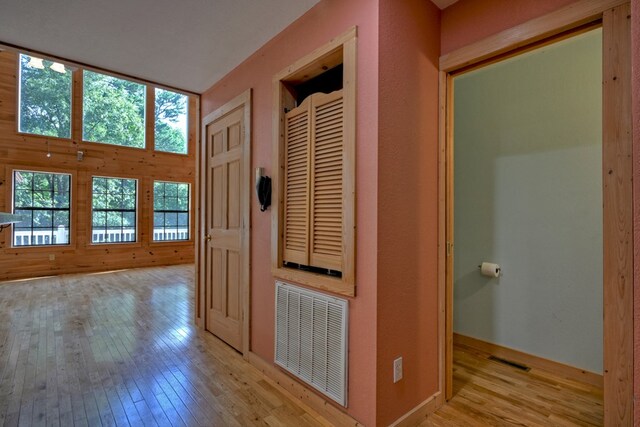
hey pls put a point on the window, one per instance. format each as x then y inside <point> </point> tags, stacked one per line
<point>43,200</point>
<point>171,122</point>
<point>113,110</point>
<point>314,169</point>
<point>114,210</point>
<point>170,211</point>
<point>45,98</point>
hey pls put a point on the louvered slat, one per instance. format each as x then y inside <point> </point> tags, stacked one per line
<point>326,185</point>
<point>311,338</point>
<point>296,186</point>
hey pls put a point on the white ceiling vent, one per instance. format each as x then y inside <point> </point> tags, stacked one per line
<point>311,338</point>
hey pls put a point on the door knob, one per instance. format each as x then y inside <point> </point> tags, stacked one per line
<point>207,237</point>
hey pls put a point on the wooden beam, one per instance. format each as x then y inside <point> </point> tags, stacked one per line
<point>618,218</point>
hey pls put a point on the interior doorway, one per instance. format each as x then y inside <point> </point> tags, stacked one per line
<point>225,206</point>
<point>527,156</point>
<point>616,191</point>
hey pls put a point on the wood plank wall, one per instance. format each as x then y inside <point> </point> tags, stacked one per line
<point>24,151</point>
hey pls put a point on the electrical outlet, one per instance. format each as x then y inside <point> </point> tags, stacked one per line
<point>397,369</point>
<point>52,257</point>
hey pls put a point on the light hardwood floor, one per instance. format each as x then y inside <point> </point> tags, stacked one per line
<point>489,393</point>
<point>120,348</point>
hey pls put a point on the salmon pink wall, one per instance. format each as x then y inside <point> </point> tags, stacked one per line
<point>328,19</point>
<point>407,204</point>
<point>471,20</point>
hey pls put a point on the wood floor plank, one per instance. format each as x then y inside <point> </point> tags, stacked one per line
<point>120,348</point>
<point>489,393</point>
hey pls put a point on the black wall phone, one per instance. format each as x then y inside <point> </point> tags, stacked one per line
<point>263,188</point>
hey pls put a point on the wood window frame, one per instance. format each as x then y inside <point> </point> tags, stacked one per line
<point>617,169</point>
<point>341,50</point>
<point>151,186</point>
<point>73,217</point>
<point>18,98</point>
<point>139,210</point>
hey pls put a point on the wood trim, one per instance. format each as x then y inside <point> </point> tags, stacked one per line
<point>150,118</point>
<point>304,63</point>
<point>449,237</point>
<point>245,198</point>
<point>241,101</point>
<point>443,355</point>
<point>563,19</point>
<point>618,217</point>
<point>343,48</point>
<point>307,397</point>
<point>314,280</point>
<point>617,143</point>
<point>349,160</point>
<point>199,233</point>
<point>530,360</point>
<point>419,413</point>
<point>73,209</point>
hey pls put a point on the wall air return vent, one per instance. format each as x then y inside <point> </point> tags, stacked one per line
<point>311,339</point>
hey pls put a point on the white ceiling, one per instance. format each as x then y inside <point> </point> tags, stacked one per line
<point>186,44</point>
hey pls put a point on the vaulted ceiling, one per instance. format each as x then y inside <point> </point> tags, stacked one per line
<point>187,44</point>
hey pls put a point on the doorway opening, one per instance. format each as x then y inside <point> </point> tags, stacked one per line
<point>505,194</point>
<point>527,155</point>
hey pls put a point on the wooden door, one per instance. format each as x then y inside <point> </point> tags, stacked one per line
<point>225,226</point>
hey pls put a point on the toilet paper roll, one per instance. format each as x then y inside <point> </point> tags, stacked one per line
<point>490,269</point>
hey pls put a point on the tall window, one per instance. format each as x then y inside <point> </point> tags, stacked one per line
<point>45,97</point>
<point>113,110</point>
<point>114,210</point>
<point>170,211</point>
<point>171,122</point>
<point>43,200</point>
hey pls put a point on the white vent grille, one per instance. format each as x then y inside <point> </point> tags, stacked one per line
<point>311,338</point>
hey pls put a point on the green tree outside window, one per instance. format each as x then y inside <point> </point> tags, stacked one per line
<point>45,99</point>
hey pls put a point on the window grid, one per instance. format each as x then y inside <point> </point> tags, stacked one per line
<point>54,201</point>
<point>170,211</point>
<point>114,212</point>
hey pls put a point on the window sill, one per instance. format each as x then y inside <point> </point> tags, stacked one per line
<point>102,245</point>
<point>51,138</point>
<point>156,243</point>
<point>40,248</point>
<point>315,280</point>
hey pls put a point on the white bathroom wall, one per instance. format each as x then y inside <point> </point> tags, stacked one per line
<point>528,195</point>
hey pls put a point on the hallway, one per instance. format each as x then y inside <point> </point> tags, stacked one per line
<point>120,348</point>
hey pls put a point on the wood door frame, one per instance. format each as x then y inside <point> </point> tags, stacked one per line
<point>617,184</point>
<point>241,101</point>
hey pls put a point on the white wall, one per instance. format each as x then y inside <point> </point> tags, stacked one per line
<point>528,195</point>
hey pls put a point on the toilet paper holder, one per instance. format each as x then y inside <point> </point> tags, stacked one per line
<point>490,269</point>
